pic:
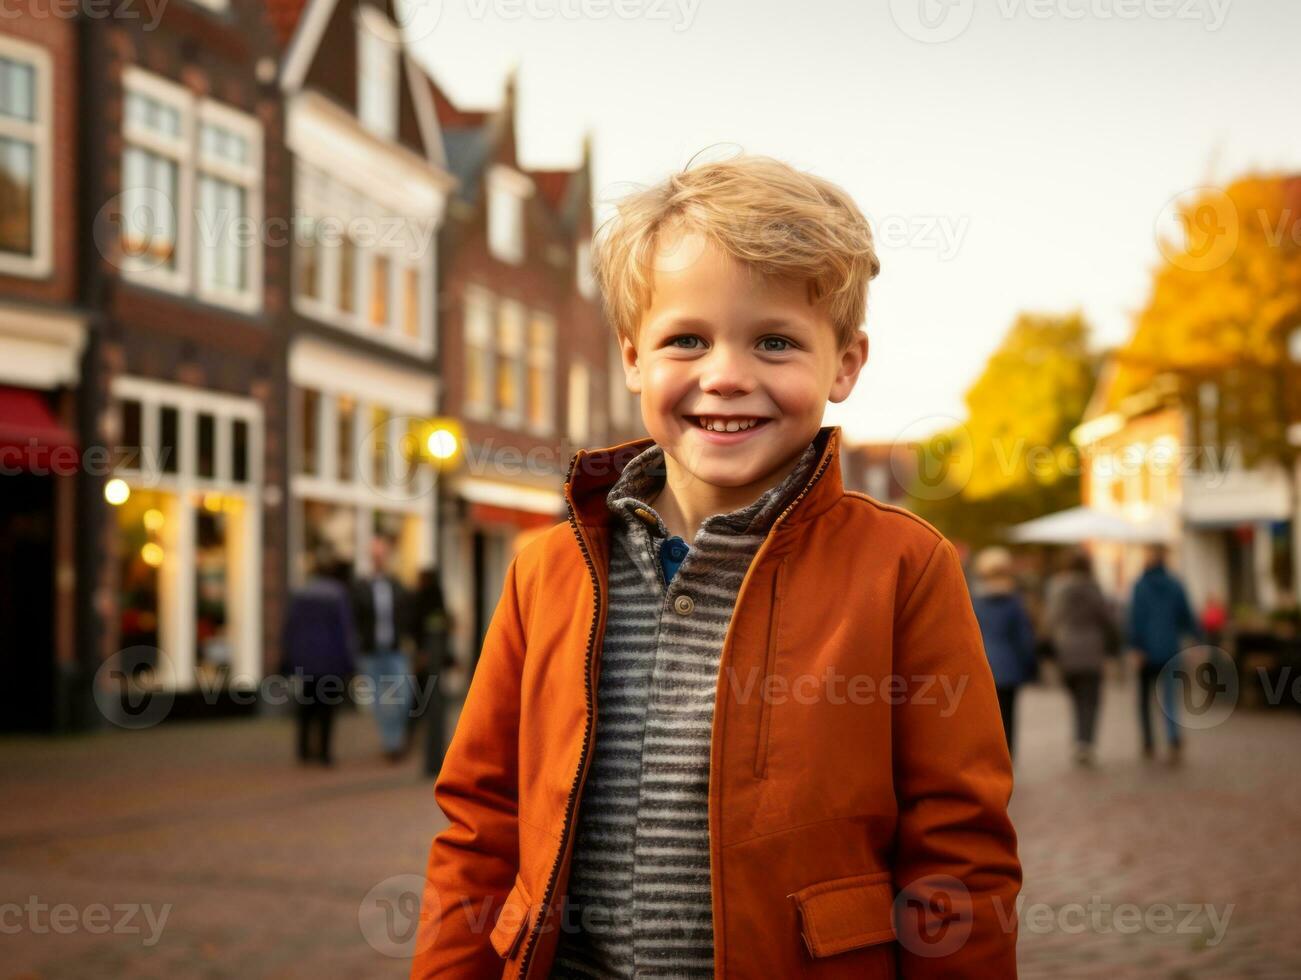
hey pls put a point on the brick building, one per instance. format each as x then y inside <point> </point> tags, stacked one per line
<point>180,128</point>
<point>42,341</point>
<point>531,367</point>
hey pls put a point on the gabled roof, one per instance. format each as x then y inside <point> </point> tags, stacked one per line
<point>475,139</point>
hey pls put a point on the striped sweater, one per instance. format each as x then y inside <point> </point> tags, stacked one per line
<point>639,901</point>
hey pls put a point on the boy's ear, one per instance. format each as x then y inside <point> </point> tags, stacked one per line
<point>631,366</point>
<point>852,360</point>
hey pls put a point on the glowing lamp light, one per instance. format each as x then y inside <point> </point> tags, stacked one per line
<point>152,554</point>
<point>212,502</point>
<point>116,492</point>
<point>441,444</point>
<point>154,519</point>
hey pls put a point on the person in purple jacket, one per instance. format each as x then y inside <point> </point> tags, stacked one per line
<point>1006,630</point>
<point>318,652</point>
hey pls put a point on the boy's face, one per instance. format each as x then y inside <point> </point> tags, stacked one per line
<point>720,342</point>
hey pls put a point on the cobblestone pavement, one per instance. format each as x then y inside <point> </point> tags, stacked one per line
<point>267,870</point>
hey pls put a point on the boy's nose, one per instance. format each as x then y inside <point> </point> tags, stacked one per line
<point>726,373</point>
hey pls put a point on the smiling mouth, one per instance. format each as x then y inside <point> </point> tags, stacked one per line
<point>718,423</point>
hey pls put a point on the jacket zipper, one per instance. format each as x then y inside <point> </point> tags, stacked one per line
<point>534,934</point>
<point>547,894</point>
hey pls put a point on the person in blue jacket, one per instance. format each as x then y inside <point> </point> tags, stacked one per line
<point>1006,630</point>
<point>1160,617</point>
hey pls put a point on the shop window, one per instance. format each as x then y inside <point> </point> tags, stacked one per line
<point>169,441</point>
<point>131,435</point>
<point>212,642</point>
<point>478,351</point>
<point>143,536</point>
<point>206,460</point>
<point>239,451</point>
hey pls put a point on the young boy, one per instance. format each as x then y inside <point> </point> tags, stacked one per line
<point>731,719</point>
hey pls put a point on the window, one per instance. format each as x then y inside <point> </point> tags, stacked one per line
<point>309,261</point>
<point>510,360</point>
<point>309,413</point>
<point>229,165</point>
<point>380,275</point>
<point>359,266</point>
<point>379,437</point>
<point>347,275</point>
<point>377,72</point>
<point>411,302</point>
<point>25,125</point>
<point>181,149</point>
<point>580,390</point>
<point>346,421</point>
<point>583,265</point>
<point>478,352</point>
<point>151,182</point>
<point>506,192</point>
<point>541,356</point>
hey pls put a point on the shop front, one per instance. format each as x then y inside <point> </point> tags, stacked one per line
<point>186,496</point>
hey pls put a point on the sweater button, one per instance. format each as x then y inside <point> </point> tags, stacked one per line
<point>684,604</point>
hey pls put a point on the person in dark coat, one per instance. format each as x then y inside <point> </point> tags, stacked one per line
<point>432,625</point>
<point>1006,630</point>
<point>1160,617</point>
<point>317,653</point>
<point>1083,631</point>
<point>382,609</point>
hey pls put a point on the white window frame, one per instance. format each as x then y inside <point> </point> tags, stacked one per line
<point>179,150</point>
<point>247,176</point>
<point>40,134</point>
<point>507,191</point>
<point>379,73</point>
<point>177,620</point>
<point>618,389</point>
<point>186,153</point>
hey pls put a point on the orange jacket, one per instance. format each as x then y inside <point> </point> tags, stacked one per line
<point>859,777</point>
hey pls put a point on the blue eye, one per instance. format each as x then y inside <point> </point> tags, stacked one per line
<point>776,350</point>
<point>674,341</point>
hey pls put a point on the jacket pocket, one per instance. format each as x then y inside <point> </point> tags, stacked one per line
<point>769,666</point>
<point>511,925</point>
<point>846,913</point>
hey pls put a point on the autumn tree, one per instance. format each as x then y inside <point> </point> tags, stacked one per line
<point>1012,458</point>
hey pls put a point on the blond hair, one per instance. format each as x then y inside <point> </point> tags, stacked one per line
<point>779,221</point>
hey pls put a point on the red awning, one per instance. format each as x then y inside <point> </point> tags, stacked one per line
<point>523,519</point>
<point>31,438</point>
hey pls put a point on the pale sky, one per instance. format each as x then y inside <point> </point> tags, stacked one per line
<point>1022,164</point>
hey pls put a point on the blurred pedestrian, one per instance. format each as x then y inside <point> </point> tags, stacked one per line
<point>382,608</point>
<point>1215,618</point>
<point>1082,628</point>
<point>1159,619</point>
<point>432,625</point>
<point>317,653</point>
<point>1006,630</point>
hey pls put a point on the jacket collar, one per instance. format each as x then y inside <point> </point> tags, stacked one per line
<point>593,472</point>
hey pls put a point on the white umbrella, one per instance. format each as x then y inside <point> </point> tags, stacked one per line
<point>1080,524</point>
